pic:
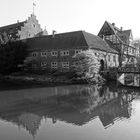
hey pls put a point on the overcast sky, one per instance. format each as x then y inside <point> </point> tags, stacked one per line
<point>73,15</point>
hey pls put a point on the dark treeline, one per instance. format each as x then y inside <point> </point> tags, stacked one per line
<point>12,54</point>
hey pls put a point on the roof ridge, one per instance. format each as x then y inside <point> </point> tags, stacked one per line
<point>6,26</point>
<point>72,41</point>
<point>127,30</point>
<point>70,32</point>
<point>57,34</point>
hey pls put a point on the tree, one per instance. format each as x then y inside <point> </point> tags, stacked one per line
<point>12,54</point>
<point>87,66</point>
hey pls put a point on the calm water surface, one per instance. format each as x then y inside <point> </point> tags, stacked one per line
<point>76,112</point>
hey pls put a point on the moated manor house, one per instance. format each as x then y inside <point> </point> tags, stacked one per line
<point>55,52</point>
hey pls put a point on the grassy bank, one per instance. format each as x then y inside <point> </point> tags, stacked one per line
<point>20,80</point>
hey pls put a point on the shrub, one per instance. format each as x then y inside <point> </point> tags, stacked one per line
<point>87,66</point>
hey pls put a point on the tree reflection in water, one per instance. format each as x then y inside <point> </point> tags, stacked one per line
<point>76,104</point>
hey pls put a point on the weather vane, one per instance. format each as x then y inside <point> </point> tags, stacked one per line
<point>34,7</point>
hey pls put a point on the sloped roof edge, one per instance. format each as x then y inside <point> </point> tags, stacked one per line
<point>70,40</point>
<point>12,25</point>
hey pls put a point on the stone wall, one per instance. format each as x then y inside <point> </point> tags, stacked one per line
<point>110,59</point>
<point>38,59</point>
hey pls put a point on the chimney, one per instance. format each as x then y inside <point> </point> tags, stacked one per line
<point>121,28</point>
<point>17,21</point>
<point>53,33</point>
<point>113,24</point>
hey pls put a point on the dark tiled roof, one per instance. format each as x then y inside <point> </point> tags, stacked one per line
<point>11,26</point>
<point>69,40</point>
<point>59,41</point>
<point>10,31</point>
<point>124,35</point>
<point>96,42</point>
<point>127,32</point>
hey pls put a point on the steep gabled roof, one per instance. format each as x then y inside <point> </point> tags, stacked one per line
<point>125,35</point>
<point>110,29</point>
<point>106,29</point>
<point>127,32</point>
<point>12,26</point>
<point>113,27</point>
<point>69,40</point>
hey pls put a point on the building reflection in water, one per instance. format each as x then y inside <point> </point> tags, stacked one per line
<point>78,105</point>
<point>132,80</point>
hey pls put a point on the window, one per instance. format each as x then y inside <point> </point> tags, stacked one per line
<point>114,58</point>
<point>44,54</point>
<point>34,54</point>
<point>108,57</point>
<point>54,65</point>
<point>43,64</point>
<point>97,54</point>
<point>65,65</point>
<point>64,53</point>
<point>77,51</point>
<point>133,51</point>
<point>129,50</point>
<point>54,53</point>
<point>75,64</point>
<point>132,60</point>
<point>125,49</point>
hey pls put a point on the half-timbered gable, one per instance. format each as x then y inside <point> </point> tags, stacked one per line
<point>120,40</point>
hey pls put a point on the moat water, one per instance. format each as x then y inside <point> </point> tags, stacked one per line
<point>74,112</point>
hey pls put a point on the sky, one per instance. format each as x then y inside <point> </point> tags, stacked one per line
<point>73,15</point>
